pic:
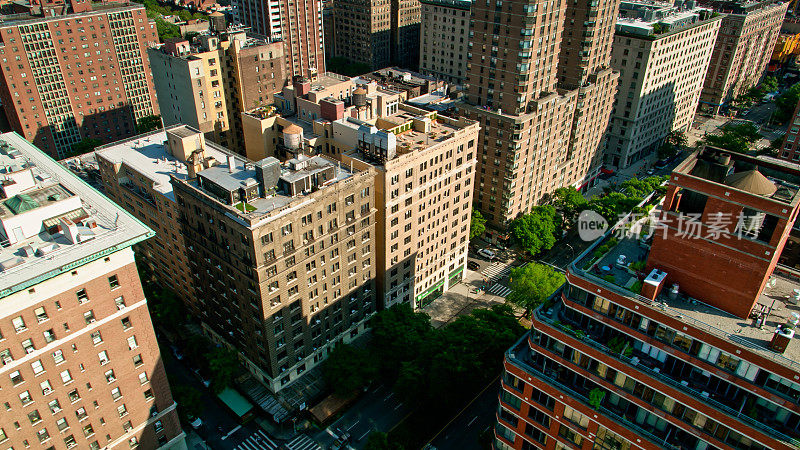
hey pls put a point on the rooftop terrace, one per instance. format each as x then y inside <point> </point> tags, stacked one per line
<point>54,221</point>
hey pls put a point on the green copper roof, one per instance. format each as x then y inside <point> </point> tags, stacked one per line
<point>21,203</point>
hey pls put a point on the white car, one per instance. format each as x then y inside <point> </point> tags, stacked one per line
<point>195,423</point>
<point>486,253</point>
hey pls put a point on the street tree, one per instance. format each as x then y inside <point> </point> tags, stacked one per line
<point>349,368</point>
<point>477,224</point>
<point>223,364</point>
<point>537,230</point>
<point>569,202</point>
<point>148,123</point>
<point>786,103</point>
<point>399,334</point>
<point>189,400</point>
<point>532,284</point>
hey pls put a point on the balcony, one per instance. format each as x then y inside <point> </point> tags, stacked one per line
<point>733,407</point>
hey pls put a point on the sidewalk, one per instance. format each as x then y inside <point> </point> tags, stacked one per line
<point>460,300</point>
<point>637,169</point>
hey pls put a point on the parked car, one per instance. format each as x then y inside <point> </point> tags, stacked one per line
<point>662,163</point>
<point>486,253</point>
<point>472,265</point>
<point>195,423</point>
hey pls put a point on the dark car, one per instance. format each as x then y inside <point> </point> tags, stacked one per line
<point>472,265</point>
<point>662,163</point>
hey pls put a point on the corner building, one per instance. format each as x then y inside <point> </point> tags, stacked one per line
<point>686,351</point>
<point>78,72</point>
<point>282,255</point>
<point>542,89</point>
<point>81,367</point>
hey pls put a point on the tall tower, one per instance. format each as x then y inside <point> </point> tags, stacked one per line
<point>543,106</point>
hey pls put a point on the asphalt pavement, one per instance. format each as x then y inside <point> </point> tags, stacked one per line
<point>377,410</point>
<point>465,430</point>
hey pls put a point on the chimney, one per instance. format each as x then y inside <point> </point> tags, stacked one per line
<point>231,163</point>
<point>653,284</point>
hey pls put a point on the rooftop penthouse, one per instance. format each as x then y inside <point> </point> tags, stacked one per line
<point>51,220</point>
<point>654,18</point>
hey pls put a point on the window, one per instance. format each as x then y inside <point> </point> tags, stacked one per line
<point>82,296</point>
<point>34,416</point>
<point>16,377</point>
<point>43,435</point>
<point>25,397</point>
<point>73,396</point>
<point>54,406</point>
<point>37,367</point>
<point>19,324</point>
<point>133,442</point>
<point>58,356</point>
<point>27,345</point>
<point>132,343</point>
<point>88,317</point>
<point>137,360</point>
<point>148,394</point>
<point>126,323</point>
<point>113,282</point>
<point>81,413</point>
<point>49,336</point>
<point>103,356</point>
<point>110,377</point>
<point>46,387</point>
<point>143,378</point>
<point>66,377</point>
<point>41,314</point>
<point>570,435</point>
<point>122,410</point>
<point>159,427</point>
<point>88,430</point>
<point>5,356</point>
<point>116,394</point>
<point>62,424</point>
<point>3,436</point>
<point>120,301</point>
<point>576,417</point>
<point>97,338</point>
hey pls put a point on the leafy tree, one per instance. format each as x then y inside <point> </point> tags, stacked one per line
<point>167,309</point>
<point>189,400</point>
<point>477,224</point>
<point>378,440</point>
<point>532,284</point>
<point>190,35</point>
<point>349,368</point>
<point>673,143</point>
<point>195,347</point>
<point>736,138</point>
<point>777,143</point>
<point>166,30</point>
<point>537,230</point>
<point>398,335</point>
<point>769,84</point>
<point>148,123</point>
<point>84,146</point>
<point>569,202</point>
<point>612,205</point>
<point>786,103</point>
<point>223,364</point>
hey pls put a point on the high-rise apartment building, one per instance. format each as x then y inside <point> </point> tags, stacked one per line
<point>405,19</point>
<point>744,47</point>
<point>363,31</point>
<point>81,366</point>
<point>791,142</point>
<point>425,166</point>
<point>282,256</point>
<point>74,72</point>
<point>206,84</point>
<point>693,349</point>
<point>297,23</point>
<point>540,83</point>
<point>444,37</point>
<point>662,52</point>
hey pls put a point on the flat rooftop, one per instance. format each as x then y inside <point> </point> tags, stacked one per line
<point>146,155</point>
<point>610,271</point>
<point>326,80</point>
<point>97,8</point>
<point>58,193</point>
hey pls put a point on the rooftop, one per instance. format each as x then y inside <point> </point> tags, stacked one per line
<point>54,221</point>
<point>146,155</point>
<point>617,264</point>
<point>7,20</point>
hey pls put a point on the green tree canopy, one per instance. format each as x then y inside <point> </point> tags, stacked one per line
<point>189,400</point>
<point>349,368</point>
<point>612,205</point>
<point>148,123</point>
<point>736,138</point>
<point>477,224</point>
<point>378,440</point>
<point>399,334</point>
<point>537,230</point>
<point>786,103</point>
<point>532,284</point>
<point>223,364</point>
<point>84,146</point>
<point>569,203</point>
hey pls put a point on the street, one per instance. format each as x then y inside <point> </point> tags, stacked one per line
<point>466,429</point>
<point>377,410</point>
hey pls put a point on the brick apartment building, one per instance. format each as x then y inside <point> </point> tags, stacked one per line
<point>789,151</point>
<point>298,24</point>
<point>540,84</point>
<point>76,71</point>
<point>744,47</point>
<point>685,344</point>
<point>209,82</point>
<point>81,366</point>
<point>662,52</point>
<point>423,165</point>
<point>444,38</point>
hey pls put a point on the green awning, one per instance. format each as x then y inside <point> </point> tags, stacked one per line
<point>234,400</point>
<point>21,203</point>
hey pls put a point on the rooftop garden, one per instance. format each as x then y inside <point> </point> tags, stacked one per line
<point>244,207</point>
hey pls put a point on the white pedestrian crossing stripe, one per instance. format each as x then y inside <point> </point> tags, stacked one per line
<point>496,271</point>
<point>258,441</point>
<point>499,290</point>
<point>303,442</point>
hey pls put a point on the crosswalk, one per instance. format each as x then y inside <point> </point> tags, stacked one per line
<point>303,442</point>
<point>258,441</point>
<point>499,290</point>
<point>496,271</point>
